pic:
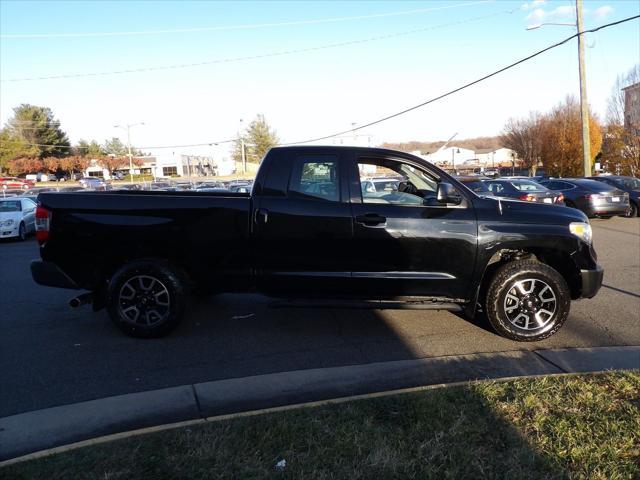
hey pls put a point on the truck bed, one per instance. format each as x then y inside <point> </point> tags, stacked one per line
<point>203,232</point>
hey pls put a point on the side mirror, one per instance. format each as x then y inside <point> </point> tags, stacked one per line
<point>447,194</point>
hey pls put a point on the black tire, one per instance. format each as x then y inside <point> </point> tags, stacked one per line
<point>632,211</point>
<point>147,298</point>
<point>22,232</point>
<point>533,317</point>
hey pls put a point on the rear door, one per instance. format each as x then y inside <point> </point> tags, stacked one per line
<point>302,224</point>
<point>405,242</point>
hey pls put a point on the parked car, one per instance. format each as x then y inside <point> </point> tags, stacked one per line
<point>631,185</point>
<point>373,185</point>
<point>475,183</point>
<point>17,217</point>
<point>211,189</point>
<point>525,190</point>
<point>307,232</point>
<point>95,183</point>
<point>129,186</point>
<point>595,199</point>
<point>240,188</point>
<point>69,189</point>
<point>14,182</point>
<point>209,184</point>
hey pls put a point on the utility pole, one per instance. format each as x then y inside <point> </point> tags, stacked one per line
<point>242,152</point>
<point>130,155</point>
<point>584,105</point>
<point>244,156</point>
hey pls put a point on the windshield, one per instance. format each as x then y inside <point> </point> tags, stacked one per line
<point>528,186</point>
<point>10,206</point>
<point>630,183</point>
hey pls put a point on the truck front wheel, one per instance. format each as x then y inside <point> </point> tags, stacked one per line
<point>146,298</point>
<point>527,301</point>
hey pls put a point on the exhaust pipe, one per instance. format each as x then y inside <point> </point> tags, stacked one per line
<point>81,300</point>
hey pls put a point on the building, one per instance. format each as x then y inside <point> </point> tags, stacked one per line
<point>172,165</point>
<point>495,157</point>
<point>632,107</point>
<point>450,157</point>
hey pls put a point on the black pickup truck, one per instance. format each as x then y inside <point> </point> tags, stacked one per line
<point>309,234</point>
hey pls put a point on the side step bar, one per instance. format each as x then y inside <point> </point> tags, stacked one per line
<point>369,304</point>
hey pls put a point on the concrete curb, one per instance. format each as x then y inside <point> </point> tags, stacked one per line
<point>30,432</point>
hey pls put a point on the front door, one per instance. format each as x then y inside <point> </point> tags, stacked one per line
<point>405,242</point>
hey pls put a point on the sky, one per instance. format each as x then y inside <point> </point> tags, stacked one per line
<point>312,68</point>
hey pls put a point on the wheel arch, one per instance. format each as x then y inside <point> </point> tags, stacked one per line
<point>559,260</point>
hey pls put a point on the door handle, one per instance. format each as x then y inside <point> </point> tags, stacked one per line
<point>262,215</point>
<point>371,220</point>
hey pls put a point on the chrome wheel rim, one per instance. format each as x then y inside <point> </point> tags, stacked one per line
<point>144,300</point>
<point>530,304</point>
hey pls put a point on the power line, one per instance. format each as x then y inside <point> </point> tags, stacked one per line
<point>239,27</point>
<point>415,107</point>
<point>467,85</point>
<point>205,144</point>
<point>256,57</point>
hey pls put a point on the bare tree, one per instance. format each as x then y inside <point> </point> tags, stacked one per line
<point>615,105</point>
<point>621,148</point>
<point>524,136</point>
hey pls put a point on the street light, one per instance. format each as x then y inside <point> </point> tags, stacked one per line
<point>538,25</point>
<point>128,128</point>
<point>584,105</point>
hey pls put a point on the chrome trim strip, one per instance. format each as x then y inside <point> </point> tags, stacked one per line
<point>380,275</point>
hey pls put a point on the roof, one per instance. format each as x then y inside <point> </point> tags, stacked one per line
<point>635,85</point>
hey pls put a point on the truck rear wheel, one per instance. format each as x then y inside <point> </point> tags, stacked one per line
<point>527,301</point>
<point>146,298</point>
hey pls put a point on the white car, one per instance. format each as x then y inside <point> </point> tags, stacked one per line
<point>17,217</point>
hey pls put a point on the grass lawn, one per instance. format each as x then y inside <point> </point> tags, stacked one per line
<point>558,427</point>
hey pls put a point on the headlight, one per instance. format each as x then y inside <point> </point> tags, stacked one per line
<point>7,223</point>
<point>581,230</point>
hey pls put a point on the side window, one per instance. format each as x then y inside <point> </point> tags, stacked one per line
<point>390,181</point>
<point>315,176</point>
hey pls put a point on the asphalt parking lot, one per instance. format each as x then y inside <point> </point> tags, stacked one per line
<point>52,355</point>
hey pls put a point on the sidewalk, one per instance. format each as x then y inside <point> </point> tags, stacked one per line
<point>53,427</point>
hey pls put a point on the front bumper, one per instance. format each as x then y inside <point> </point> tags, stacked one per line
<point>591,281</point>
<point>9,232</point>
<point>48,274</point>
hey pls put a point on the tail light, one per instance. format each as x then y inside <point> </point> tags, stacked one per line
<point>560,198</point>
<point>527,198</point>
<point>43,220</point>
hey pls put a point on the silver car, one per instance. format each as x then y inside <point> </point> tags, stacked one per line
<point>17,217</point>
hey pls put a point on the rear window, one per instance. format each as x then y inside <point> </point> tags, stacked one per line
<point>528,186</point>
<point>594,185</point>
<point>316,176</point>
<point>630,183</point>
<point>476,186</point>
